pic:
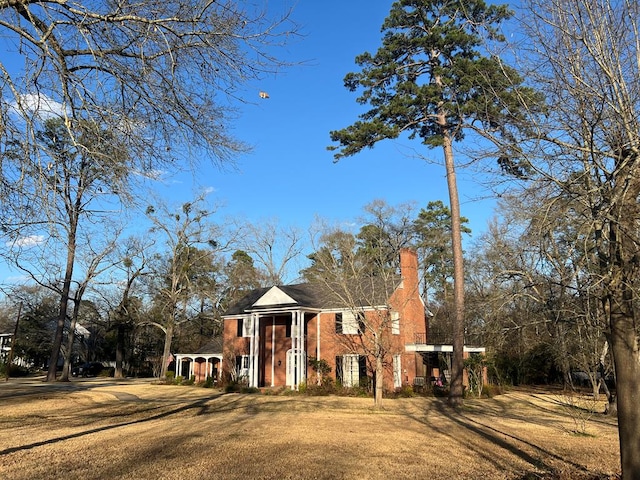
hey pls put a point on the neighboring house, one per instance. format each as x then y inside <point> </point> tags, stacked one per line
<point>203,364</point>
<point>5,346</point>
<point>271,334</point>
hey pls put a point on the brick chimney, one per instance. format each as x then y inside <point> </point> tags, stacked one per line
<point>409,270</point>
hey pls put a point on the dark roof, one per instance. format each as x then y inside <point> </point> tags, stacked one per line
<point>214,346</point>
<point>317,295</point>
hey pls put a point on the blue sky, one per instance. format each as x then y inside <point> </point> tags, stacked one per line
<point>290,175</point>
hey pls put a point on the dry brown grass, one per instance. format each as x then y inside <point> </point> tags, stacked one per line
<point>136,430</point>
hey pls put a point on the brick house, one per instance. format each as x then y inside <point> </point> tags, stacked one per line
<point>271,334</point>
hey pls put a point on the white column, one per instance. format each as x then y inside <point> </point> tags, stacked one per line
<point>318,342</point>
<point>251,343</point>
<point>301,350</point>
<point>253,361</point>
<point>178,365</point>
<point>294,342</point>
<point>273,350</point>
<point>206,368</point>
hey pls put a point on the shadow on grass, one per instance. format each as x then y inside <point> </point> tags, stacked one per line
<point>199,404</point>
<point>546,465</point>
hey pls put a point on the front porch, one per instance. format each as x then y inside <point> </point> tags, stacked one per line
<point>437,359</point>
<point>277,349</point>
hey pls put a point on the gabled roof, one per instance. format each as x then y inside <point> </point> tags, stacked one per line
<point>313,296</point>
<point>301,295</point>
<point>212,347</point>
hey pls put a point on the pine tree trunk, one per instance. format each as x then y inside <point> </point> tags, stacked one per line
<point>456,390</point>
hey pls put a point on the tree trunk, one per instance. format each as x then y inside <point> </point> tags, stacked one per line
<point>620,305</point>
<point>379,382</point>
<point>456,390</point>
<point>119,372</point>
<point>71,336</point>
<point>167,350</point>
<point>624,347</point>
<point>64,302</point>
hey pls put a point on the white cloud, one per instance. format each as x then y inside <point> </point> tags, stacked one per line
<point>26,242</point>
<point>151,174</point>
<point>39,104</point>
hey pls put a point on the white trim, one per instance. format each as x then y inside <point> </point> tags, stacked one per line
<point>274,296</point>
<point>273,350</point>
<point>412,347</point>
<point>395,322</point>
<point>397,371</point>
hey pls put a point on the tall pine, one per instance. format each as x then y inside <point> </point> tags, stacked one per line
<point>432,78</point>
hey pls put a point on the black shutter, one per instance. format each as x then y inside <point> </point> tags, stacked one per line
<point>362,369</point>
<point>239,332</point>
<point>339,323</point>
<point>339,377</point>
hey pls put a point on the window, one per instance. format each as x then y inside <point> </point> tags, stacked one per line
<point>349,324</point>
<point>245,326</point>
<point>242,366</point>
<point>395,323</point>
<point>397,371</point>
<point>350,369</point>
<point>239,328</point>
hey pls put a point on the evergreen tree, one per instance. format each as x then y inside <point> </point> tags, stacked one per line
<point>430,79</point>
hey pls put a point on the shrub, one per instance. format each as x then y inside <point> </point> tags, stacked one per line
<point>14,370</point>
<point>406,391</point>
<point>328,387</point>
<point>169,377</point>
<point>178,380</point>
<point>232,387</point>
<point>208,383</point>
<point>246,389</point>
<point>240,387</point>
<point>490,390</point>
<point>107,372</point>
<point>322,367</point>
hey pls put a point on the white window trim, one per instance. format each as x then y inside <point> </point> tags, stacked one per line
<point>350,324</point>
<point>350,370</point>
<point>395,323</point>
<point>397,371</point>
<point>247,326</point>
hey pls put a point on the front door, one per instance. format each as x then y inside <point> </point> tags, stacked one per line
<point>293,356</point>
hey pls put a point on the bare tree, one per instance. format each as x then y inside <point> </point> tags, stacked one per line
<point>132,260</point>
<point>272,246</point>
<point>585,147</point>
<point>93,93</point>
<point>363,279</point>
<point>53,214</point>
<point>97,263</point>
<point>157,74</point>
<point>171,282</point>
